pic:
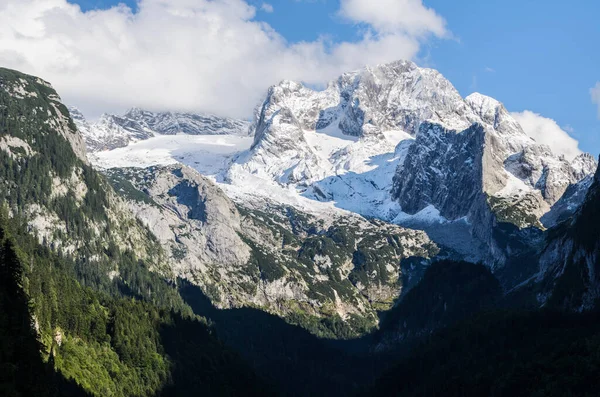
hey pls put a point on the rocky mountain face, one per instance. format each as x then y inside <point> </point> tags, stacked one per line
<point>464,159</point>
<point>358,105</point>
<point>180,224</point>
<point>393,96</point>
<point>568,272</point>
<point>392,143</point>
<point>111,131</point>
<point>33,91</point>
<point>47,183</point>
<point>278,258</point>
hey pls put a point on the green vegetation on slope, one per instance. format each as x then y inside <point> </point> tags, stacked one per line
<point>112,345</point>
<point>22,371</point>
<point>356,263</point>
<point>101,314</point>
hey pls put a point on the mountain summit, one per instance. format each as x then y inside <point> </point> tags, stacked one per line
<point>397,141</point>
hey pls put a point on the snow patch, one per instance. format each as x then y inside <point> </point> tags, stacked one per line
<point>209,155</point>
<point>428,215</point>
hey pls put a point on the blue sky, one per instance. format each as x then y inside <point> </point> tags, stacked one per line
<point>536,55</point>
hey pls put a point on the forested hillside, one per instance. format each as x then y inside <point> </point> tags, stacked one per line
<point>54,329</point>
<point>88,306</point>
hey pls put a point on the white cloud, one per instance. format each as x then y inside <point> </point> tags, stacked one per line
<point>595,93</point>
<point>209,55</point>
<point>266,7</point>
<point>547,131</point>
<point>394,16</point>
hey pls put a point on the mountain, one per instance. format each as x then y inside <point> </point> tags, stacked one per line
<point>111,131</point>
<point>88,307</point>
<point>99,271</point>
<point>278,258</point>
<point>47,182</point>
<point>399,143</point>
<point>33,92</point>
<point>529,345</point>
<point>181,225</point>
<point>291,260</point>
<point>568,274</point>
<point>394,142</point>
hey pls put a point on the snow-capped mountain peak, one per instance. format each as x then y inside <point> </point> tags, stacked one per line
<point>112,131</point>
<point>331,145</point>
<point>395,142</point>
